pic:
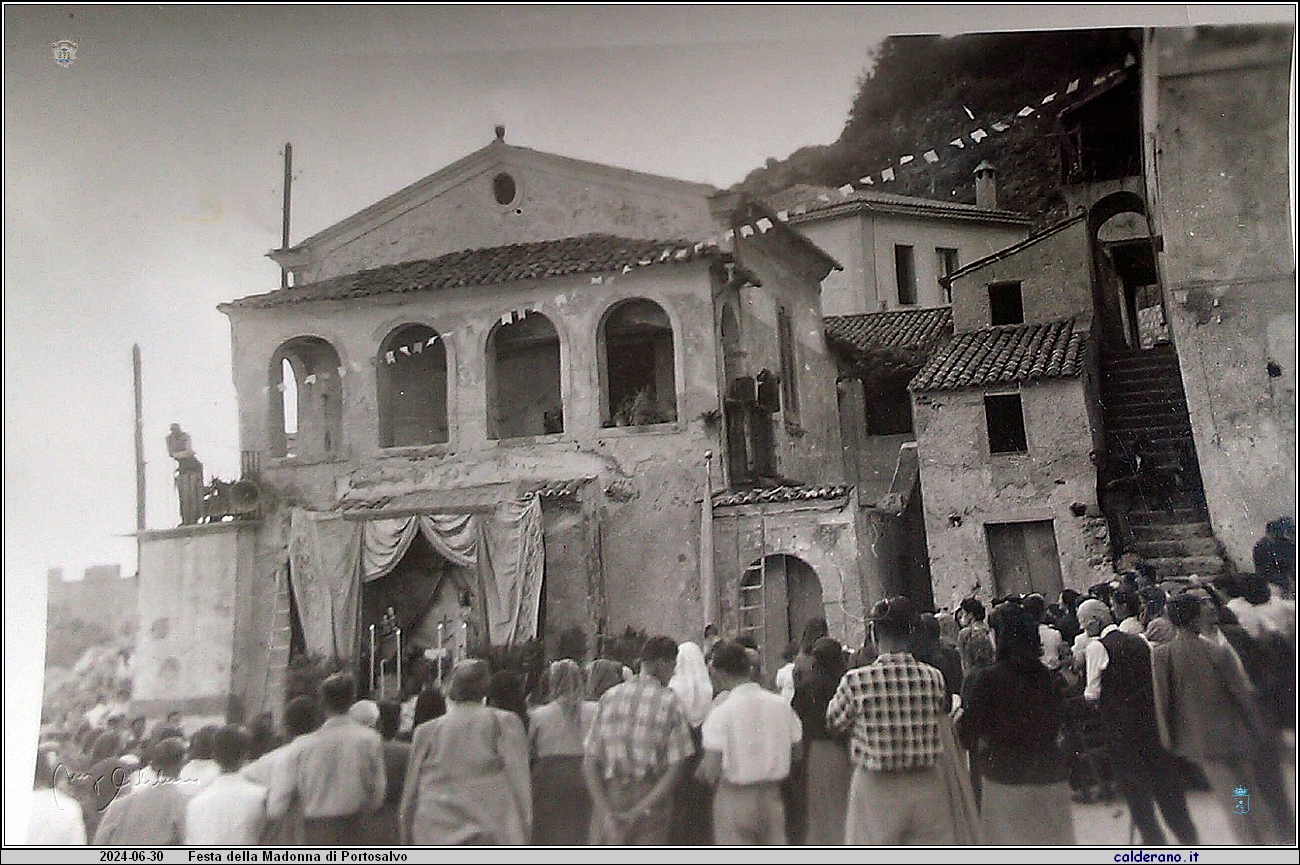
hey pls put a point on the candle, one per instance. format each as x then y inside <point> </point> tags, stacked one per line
<point>372,658</point>
<point>399,663</point>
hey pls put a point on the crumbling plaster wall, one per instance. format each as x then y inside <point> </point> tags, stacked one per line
<point>961,479</point>
<point>1055,275</point>
<point>1222,187</point>
<point>552,201</point>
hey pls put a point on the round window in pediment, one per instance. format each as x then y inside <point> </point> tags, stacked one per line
<point>503,188</point>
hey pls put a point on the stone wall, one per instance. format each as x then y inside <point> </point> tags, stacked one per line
<point>965,487</point>
<point>1222,203</point>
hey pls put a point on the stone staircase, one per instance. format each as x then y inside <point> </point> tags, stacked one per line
<point>1151,461</point>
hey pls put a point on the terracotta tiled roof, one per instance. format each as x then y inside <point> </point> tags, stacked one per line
<point>805,202</point>
<point>779,494</point>
<point>900,328</point>
<point>590,253</point>
<point>1006,354</point>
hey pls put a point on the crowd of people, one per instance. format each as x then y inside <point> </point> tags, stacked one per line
<point>976,727</point>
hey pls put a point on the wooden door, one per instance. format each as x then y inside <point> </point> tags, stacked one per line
<point>1024,558</point>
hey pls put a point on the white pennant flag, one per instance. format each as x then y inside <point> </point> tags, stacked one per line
<point>1100,79</point>
<point>887,174</point>
<point>418,348</point>
<point>746,231</point>
<point>680,255</point>
<point>1000,126</point>
<point>597,280</point>
<point>699,246</point>
<point>764,224</point>
<point>978,135</point>
<point>508,318</point>
<point>1073,86</point>
<point>930,156</point>
<point>627,268</point>
<point>728,234</point>
<point>311,379</point>
<point>846,190</point>
<point>406,350</point>
<point>667,254</point>
<point>867,180</point>
<point>903,160</point>
<point>431,340</point>
<point>521,314</point>
<point>958,143</point>
<point>783,215</point>
<point>1051,97</point>
<point>645,262</point>
<point>389,357</point>
<point>1129,60</point>
<point>1025,112</point>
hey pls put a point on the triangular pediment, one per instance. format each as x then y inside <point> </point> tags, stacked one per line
<point>498,195</point>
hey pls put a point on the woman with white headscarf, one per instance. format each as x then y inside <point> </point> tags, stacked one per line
<point>692,801</point>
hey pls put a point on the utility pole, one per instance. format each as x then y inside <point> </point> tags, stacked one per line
<point>139,438</point>
<point>284,233</point>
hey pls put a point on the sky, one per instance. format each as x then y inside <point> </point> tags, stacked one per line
<point>142,187</point>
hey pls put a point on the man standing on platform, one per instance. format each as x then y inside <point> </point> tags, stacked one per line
<point>189,475</point>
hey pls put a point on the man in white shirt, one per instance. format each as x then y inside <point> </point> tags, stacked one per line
<point>750,742</point>
<point>231,810</point>
<point>1096,621</point>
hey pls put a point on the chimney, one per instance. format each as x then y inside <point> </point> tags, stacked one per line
<point>986,186</point>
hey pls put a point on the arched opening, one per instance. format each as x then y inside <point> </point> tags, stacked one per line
<point>412,387</point>
<point>306,399</point>
<point>638,378</point>
<point>1128,296</point>
<point>523,369</point>
<point>779,594</point>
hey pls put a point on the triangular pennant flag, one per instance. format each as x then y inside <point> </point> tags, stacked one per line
<point>389,357</point>
<point>1073,86</point>
<point>667,254</point>
<point>764,224</point>
<point>521,314</point>
<point>406,350</point>
<point>978,135</point>
<point>627,268</point>
<point>746,231</point>
<point>1025,112</point>
<point>699,246</point>
<point>508,318</point>
<point>846,189</point>
<point>867,180</point>
<point>1129,60</point>
<point>681,254</point>
<point>887,174</point>
<point>1000,126</point>
<point>418,348</point>
<point>728,234</point>
<point>431,340</point>
<point>597,280</point>
<point>930,156</point>
<point>1051,97</point>
<point>645,262</point>
<point>958,143</point>
<point>783,215</point>
<point>903,160</point>
<point>1100,79</point>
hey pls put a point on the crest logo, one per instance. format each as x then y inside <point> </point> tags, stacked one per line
<point>1241,800</point>
<point>64,51</point>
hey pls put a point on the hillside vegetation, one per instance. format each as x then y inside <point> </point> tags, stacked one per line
<point>917,95</point>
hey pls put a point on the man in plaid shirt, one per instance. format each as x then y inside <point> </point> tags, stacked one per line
<point>897,795</point>
<point>635,753</point>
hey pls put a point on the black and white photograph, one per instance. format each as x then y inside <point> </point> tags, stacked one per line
<point>438,426</point>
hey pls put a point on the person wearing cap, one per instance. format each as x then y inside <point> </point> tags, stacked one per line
<point>749,742</point>
<point>897,795</point>
<point>636,751</point>
<point>154,814</point>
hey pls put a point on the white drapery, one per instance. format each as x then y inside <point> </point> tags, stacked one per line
<point>331,557</point>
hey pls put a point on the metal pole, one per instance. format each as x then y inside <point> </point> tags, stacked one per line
<point>284,233</point>
<point>708,579</point>
<point>139,437</point>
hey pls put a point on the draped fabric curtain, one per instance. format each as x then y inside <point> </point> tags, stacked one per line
<point>331,557</point>
<point>324,556</point>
